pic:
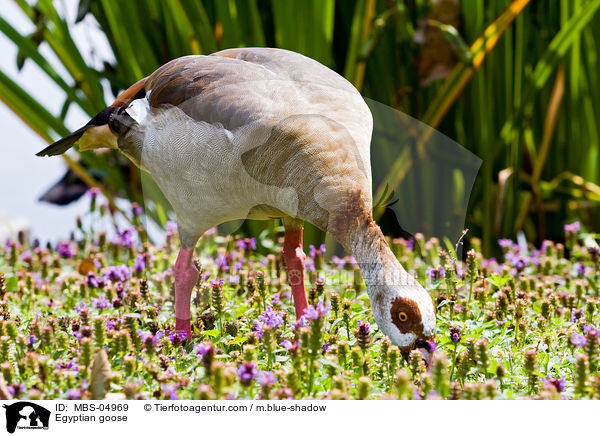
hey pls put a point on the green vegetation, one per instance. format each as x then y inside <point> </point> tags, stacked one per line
<point>518,85</point>
<point>90,317</point>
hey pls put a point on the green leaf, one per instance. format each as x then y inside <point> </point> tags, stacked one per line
<point>211,333</point>
<point>498,281</point>
<point>11,284</point>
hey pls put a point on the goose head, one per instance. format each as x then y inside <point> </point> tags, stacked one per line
<point>402,308</point>
<point>405,314</point>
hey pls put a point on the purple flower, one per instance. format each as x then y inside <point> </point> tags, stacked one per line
<point>74,394</point>
<point>408,243</point>
<point>432,346</point>
<point>320,311</point>
<point>124,238</point>
<point>101,303</point>
<point>364,327</point>
<point>217,281</point>
<point>239,264</point>
<point>326,347</point>
<point>271,317</point>
<point>287,344</point>
<point>77,335</point>
<point>340,263</point>
<point>579,269</point>
<point>92,281</point>
<point>575,315</point>
<point>266,378</point>
<point>302,322</point>
<point>140,262</point>
<point>246,243</point>
<point>117,273</point>
<point>460,271</point>
<point>65,250</point>
<point>505,243</point>
<point>203,348</point>
<point>170,391</point>
<point>516,260</point>
<point>136,209</point>
<point>69,365</point>
<point>247,372</point>
<point>176,338</point>
<point>436,273</point>
<point>93,193</point>
<point>221,262</point>
<point>31,339</point>
<point>573,227</point>
<point>80,307</point>
<point>171,226</point>
<point>578,340</point>
<point>312,251</point>
<point>16,389</point>
<point>120,290</point>
<point>258,328</point>
<point>558,383</point>
<point>455,334</point>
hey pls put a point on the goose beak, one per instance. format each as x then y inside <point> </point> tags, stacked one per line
<point>426,348</point>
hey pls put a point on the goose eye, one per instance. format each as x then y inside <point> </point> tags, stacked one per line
<point>403,317</point>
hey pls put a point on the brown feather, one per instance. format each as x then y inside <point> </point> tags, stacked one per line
<point>137,90</point>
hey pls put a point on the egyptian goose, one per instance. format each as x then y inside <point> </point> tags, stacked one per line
<point>262,133</point>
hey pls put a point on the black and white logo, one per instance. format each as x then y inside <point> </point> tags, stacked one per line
<point>24,415</point>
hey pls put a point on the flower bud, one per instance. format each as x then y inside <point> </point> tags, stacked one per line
<point>415,363</point>
<point>581,374</point>
<point>482,355</point>
<point>7,372</point>
<point>440,378</point>
<point>357,360</point>
<point>217,297</point>
<point>129,364</point>
<point>472,264</point>
<point>363,337</point>
<point>362,388</point>
<point>85,349</point>
<point>335,303</point>
<point>99,332</point>
<point>342,352</point>
<point>403,385</point>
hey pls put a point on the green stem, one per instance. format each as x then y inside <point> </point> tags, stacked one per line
<point>470,289</point>
<point>310,374</point>
<point>453,360</point>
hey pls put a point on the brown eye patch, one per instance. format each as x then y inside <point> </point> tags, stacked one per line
<point>406,316</point>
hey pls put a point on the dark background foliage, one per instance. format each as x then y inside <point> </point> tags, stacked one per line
<point>516,83</point>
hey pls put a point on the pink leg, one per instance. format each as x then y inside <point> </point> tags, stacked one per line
<point>186,277</point>
<point>294,261</point>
